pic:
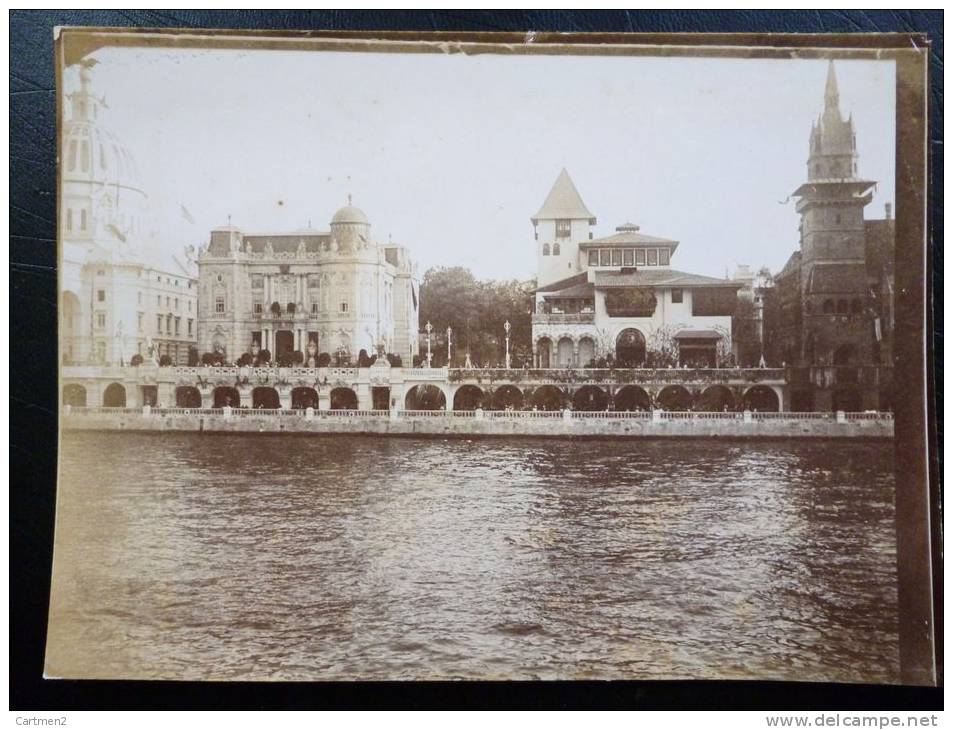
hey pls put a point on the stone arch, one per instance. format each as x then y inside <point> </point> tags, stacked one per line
<point>630,348</point>
<point>74,394</point>
<point>304,397</point>
<point>587,351</point>
<point>114,396</point>
<point>715,398</point>
<point>564,352</point>
<point>188,396</point>
<point>225,395</point>
<point>761,398</point>
<point>544,351</point>
<point>265,396</point>
<point>467,398</point>
<point>425,398</point>
<point>548,398</point>
<point>632,398</point>
<point>506,396</point>
<point>343,399</point>
<point>590,398</point>
<point>674,398</point>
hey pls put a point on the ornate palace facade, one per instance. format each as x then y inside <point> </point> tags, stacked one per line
<point>118,297</point>
<point>308,291</point>
<point>618,296</point>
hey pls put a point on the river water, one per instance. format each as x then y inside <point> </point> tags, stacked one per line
<point>260,556</point>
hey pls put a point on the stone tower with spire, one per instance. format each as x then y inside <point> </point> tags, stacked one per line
<point>561,224</point>
<point>836,327</point>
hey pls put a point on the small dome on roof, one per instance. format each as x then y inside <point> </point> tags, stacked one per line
<point>350,214</point>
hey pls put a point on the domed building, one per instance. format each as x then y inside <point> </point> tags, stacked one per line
<point>118,298</point>
<point>307,291</point>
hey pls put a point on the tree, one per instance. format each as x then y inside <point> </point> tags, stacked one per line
<point>264,357</point>
<point>324,360</point>
<point>297,357</point>
<point>165,361</point>
<point>275,308</point>
<point>477,312</point>
<point>394,360</point>
<point>245,360</point>
<point>136,360</point>
<point>193,356</point>
<point>363,361</point>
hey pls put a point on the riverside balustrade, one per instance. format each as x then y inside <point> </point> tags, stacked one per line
<point>518,415</point>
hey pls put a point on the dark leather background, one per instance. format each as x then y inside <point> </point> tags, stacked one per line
<point>32,357</point>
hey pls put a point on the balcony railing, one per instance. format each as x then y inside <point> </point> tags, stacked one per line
<point>564,318</point>
<point>616,375</point>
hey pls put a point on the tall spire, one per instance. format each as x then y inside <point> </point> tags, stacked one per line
<point>831,94</point>
<point>564,201</point>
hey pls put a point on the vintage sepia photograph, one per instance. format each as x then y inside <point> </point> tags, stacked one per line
<point>425,359</point>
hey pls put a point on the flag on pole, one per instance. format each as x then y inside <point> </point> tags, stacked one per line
<point>186,215</point>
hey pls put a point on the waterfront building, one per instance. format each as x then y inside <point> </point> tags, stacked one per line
<point>835,292</point>
<point>308,292</point>
<point>618,296</point>
<point>118,297</point>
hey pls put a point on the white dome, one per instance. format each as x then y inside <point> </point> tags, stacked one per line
<point>350,214</point>
<point>94,154</point>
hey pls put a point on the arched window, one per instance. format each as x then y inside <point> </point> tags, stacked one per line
<point>291,308</point>
<point>856,307</point>
<point>555,249</point>
<point>828,306</point>
<point>69,219</point>
<point>545,249</point>
<point>842,306</point>
<point>84,155</point>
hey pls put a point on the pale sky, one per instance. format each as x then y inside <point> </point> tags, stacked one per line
<point>452,154</point>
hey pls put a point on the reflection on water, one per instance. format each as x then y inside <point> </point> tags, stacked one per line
<point>284,557</point>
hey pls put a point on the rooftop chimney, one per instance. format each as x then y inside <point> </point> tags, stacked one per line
<point>888,210</point>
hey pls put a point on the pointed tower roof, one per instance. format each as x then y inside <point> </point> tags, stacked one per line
<point>564,202</point>
<point>831,94</point>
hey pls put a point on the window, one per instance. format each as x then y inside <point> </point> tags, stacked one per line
<point>190,327</point>
<point>158,300</point>
<point>218,277</point>
<point>177,323</point>
<point>257,281</point>
<point>72,155</point>
<point>604,257</point>
<point>676,296</point>
<point>139,317</point>
<point>101,350</point>
<point>343,306</point>
<point>652,259</point>
<point>82,219</point>
<point>139,297</point>
<point>545,249</point>
<point>563,229</point>
<point>176,304</point>
<point>168,324</point>
<point>190,305</point>
<point>69,219</point>
<point>257,306</point>
<point>101,295</point>
<point>555,249</point>
<point>627,257</point>
<point>640,257</point>
<point>291,308</point>
<point>663,257</point>
<point>84,155</point>
<point>168,301</point>
<point>617,257</point>
<point>313,282</point>
<point>219,304</point>
<point>159,324</point>
<point>593,257</point>
<point>101,320</point>
<point>314,307</point>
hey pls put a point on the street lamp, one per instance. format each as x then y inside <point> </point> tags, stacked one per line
<point>506,326</point>
<point>449,348</point>
<point>429,329</point>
